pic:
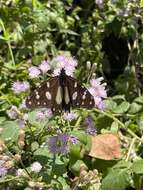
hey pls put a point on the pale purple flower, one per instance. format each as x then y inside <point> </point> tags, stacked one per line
<point>73,139</point>
<point>44,66</point>
<point>12,112</point>
<point>64,62</point>
<point>34,72</point>
<point>100,3</point>
<point>90,126</point>
<point>25,116</point>
<point>43,114</point>
<point>36,167</point>
<point>98,91</point>
<point>19,87</point>
<point>40,116</point>
<point>69,116</point>
<point>3,169</point>
<point>58,144</point>
<point>21,123</point>
<point>23,105</point>
<point>48,112</point>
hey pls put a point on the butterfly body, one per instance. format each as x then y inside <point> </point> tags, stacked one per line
<point>60,93</point>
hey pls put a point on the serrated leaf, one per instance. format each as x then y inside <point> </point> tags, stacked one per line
<point>137,167</point>
<point>122,108</point>
<point>116,179</point>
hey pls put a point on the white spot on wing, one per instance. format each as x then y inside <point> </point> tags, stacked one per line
<point>48,84</point>
<point>82,103</point>
<point>74,96</point>
<point>67,99</point>
<point>48,95</point>
<point>59,95</point>
<point>29,102</point>
<point>44,103</point>
<point>37,96</point>
<point>75,84</point>
<point>38,103</point>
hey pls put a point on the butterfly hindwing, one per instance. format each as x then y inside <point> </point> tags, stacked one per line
<point>79,95</point>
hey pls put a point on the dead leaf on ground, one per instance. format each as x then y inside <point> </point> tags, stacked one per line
<point>106,147</point>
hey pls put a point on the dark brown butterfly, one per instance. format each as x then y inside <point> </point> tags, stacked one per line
<point>60,93</point>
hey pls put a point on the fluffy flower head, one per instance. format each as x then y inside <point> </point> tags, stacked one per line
<point>36,167</point>
<point>64,62</point>
<point>34,72</point>
<point>44,66</point>
<point>19,87</point>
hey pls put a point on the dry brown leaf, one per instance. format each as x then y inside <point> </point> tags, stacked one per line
<point>106,147</point>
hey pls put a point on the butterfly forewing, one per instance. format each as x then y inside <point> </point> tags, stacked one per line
<point>45,96</point>
<point>79,95</point>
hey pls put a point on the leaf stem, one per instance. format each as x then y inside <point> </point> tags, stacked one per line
<point>130,148</point>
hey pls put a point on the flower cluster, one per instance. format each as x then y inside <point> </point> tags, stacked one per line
<point>19,87</point>
<point>98,91</point>
<point>3,169</point>
<point>69,116</point>
<point>12,112</point>
<point>59,144</point>
<point>64,62</point>
<point>34,71</point>
<point>90,126</point>
<point>43,114</point>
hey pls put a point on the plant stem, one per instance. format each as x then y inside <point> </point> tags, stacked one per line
<point>7,180</point>
<point>8,42</point>
<point>120,123</point>
<point>130,148</point>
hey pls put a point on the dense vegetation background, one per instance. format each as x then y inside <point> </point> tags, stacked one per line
<point>106,37</point>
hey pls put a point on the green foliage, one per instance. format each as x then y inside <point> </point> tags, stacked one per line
<point>32,31</point>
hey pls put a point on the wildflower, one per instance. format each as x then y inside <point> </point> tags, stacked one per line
<point>44,66</point>
<point>58,144</point>
<point>19,87</point>
<point>36,167</point>
<point>73,139</point>
<point>23,105</point>
<point>43,114</point>
<point>99,3</point>
<point>98,91</point>
<point>21,123</point>
<point>34,72</point>
<point>66,63</point>
<point>69,116</point>
<point>12,112</point>
<point>89,126</point>
<point>3,169</point>
<point>20,172</point>
<point>25,116</point>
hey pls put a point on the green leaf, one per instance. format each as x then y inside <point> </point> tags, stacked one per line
<point>116,179</point>
<point>34,146</point>
<point>10,130</point>
<point>137,167</point>
<point>139,99</point>
<point>62,181</point>
<point>134,108</point>
<point>110,104</point>
<point>122,108</point>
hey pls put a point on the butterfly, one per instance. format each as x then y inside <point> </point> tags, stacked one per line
<point>60,93</point>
